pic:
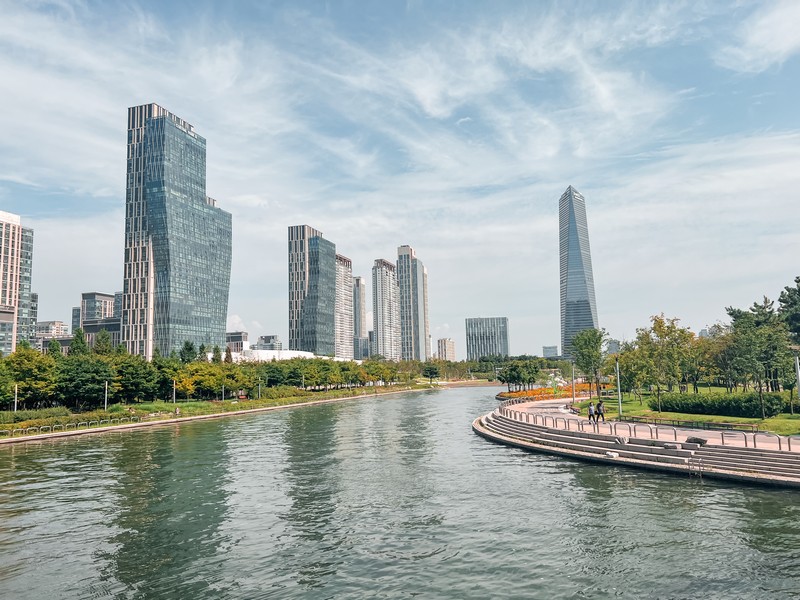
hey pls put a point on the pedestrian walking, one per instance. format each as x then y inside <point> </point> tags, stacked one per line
<point>600,412</point>
<point>591,412</point>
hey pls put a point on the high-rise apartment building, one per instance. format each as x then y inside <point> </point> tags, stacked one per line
<point>412,283</point>
<point>578,308</point>
<point>18,305</point>
<point>549,351</point>
<point>385,310</point>
<point>487,337</point>
<point>344,308</point>
<point>177,241</point>
<point>312,291</point>
<point>360,331</point>
<point>96,305</point>
<point>446,349</point>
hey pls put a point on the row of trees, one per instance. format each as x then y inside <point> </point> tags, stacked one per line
<point>755,351</point>
<point>82,378</point>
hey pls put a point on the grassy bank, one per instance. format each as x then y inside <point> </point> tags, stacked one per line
<point>167,410</point>
<point>783,424</point>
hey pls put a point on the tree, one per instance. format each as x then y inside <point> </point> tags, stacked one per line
<point>102,343</point>
<point>664,345</point>
<point>587,349</point>
<point>228,355</point>
<point>136,379</point>
<point>789,310</point>
<point>188,352</point>
<point>54,348</point>
<point>216,355</point>
<point>34,373</point>
<point>81,380</point>
<point>78,344</point>
<point>430,370</point>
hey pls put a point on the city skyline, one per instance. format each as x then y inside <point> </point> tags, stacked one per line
<point>447,129</point>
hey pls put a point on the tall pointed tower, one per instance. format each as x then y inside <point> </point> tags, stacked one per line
<point>578,307</point>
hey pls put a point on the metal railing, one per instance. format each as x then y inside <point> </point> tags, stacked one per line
<point>653,432</point>
<point>95,423</point>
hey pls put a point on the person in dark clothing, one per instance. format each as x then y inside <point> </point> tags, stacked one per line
<point>601,412</point>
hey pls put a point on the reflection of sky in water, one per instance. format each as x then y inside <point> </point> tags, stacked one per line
<point>381,497</point>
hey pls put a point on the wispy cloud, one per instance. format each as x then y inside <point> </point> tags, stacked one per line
<point>768,37</point>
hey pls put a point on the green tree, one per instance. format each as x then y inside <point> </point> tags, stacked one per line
<point>430,370</point>
<point>54,348</point>
<point>228,355</point>
<point>216,355</point>
<point>102,344</point>
<point>81,380</point>
<point>34,373</point>
<point>789,310</point>
<point>78,344</point>
<point>587,349</point>
<point>136,379</point>
<point>188,352</point>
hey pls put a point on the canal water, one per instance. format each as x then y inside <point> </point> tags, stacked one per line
<point>387,497</point>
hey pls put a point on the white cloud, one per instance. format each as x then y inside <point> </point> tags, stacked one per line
<point>770,36</point>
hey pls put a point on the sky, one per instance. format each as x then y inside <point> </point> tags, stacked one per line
<point>451,126</point>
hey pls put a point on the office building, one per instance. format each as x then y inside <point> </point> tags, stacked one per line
<point>312,295</point>
<point>96,305</point>
<point>446,349</point>
<point>269,342</point>
<point>385,310</point>
<point>578,308</point>
<point>111,325</point>
<point>17,309</point>
<point>549,351</point>
<point>237,341</point>
<point>343,319</point>
<point>360,330</point>
<point>412,283</point>
<point>51,329</point>
<point>76,318</point>
<point>177,241</point>
<point>487,337</point>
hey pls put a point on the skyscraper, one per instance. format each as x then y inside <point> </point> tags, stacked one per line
<point>312,291</point>
<point>360,331</point>
<point>177,242</point>
<point>447,349</point>
<point>299,237</point>
<point>17,309</point>
<point>385,310</point>
<point>344,307</point>
<point>487,336</point>
<point>412,282</point>
<point>578,309</point>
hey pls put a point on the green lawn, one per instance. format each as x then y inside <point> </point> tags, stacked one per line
<point>783,424</point>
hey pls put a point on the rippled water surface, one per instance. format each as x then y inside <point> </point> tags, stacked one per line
<point>390,497</point>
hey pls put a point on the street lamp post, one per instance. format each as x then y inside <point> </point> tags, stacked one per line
<point>105,398</point>
<point>797,381</point>
<point>619,387</point>
<point>16,394</point>
<point>573,383</point>
<point>173,391</point>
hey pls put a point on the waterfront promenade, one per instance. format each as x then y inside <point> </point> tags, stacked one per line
<point>548,426</point>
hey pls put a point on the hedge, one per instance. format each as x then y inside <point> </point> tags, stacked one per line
<point>742,404</point>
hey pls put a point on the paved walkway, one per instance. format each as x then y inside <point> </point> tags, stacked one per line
<point>768,441</point>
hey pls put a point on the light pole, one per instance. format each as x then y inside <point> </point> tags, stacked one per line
<point>619,387</point>
<point>259,389</point>
<point>797,381</point>
<point>105,398</point>
<point>16,393</point>
<point>173,391</point>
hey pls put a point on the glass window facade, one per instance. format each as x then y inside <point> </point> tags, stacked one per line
<point>487,337</point>
<point>317,317</point>
<point>578,307</point>
<point>178,243</point>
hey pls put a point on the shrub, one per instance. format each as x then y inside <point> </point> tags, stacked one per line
<point>9,416</point>
<point>746,404</point>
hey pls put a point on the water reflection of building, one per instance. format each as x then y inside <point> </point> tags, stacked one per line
<point>172,501</point>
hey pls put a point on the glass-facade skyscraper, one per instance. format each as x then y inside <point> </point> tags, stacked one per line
<point>578,308</point>
<point>412,282</point>
<point>344,307</point>
<point>177,241</point>
<point>487,336</point>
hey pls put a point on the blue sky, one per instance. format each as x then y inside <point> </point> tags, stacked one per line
<point>450,126</point>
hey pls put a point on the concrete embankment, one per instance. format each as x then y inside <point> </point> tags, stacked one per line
<point>744,465</point>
